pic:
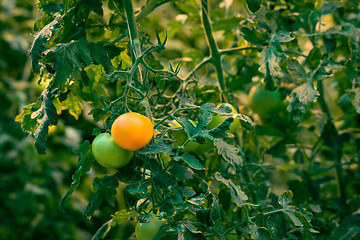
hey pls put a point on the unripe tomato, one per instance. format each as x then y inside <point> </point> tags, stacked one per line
<point>218,119</point>
<point>132,131</point>
<point>108,154</point>
<point>181,136</point>
<point>205,147</point>
<point>147,231</point>
<point>264,102</point>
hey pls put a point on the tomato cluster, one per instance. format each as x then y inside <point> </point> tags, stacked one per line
<point>129,132</point>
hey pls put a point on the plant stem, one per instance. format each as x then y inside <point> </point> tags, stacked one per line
<point>131,23</point>
<point>135,45</point>
<point>215,55</point>
<point>332,139</point>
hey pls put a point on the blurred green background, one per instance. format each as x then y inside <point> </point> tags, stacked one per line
<point>31,184</point>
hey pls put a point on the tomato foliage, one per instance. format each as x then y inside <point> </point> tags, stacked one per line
<point>288,177</point>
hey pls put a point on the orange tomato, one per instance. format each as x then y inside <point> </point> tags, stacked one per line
<point>132,131</point>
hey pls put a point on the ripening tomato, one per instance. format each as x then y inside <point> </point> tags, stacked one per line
<point>147,231</point>
<point>264,102</point>
<point>218,119</point>
<point>132,131</point>
<point>181,136</point>
<point>108,154</point>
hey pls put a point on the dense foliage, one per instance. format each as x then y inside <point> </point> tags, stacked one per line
<point>292,173</point>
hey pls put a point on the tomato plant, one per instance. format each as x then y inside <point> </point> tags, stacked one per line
<point>108,154</point>
<point>147,230</point>
<point>132,131</point>
<point>131,67</point>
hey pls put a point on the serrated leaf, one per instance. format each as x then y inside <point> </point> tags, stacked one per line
<point>269,64</point>
<point>293,218</point>
<point>296,70</point>
<point>313,60</point>
<point>254,5</point>
<point>285,199</point>
<point>299,98</point>
<point>100,55</point>
<point>105,188</point>
<point>220,130</point>
<point>48,117</point>
<point>159,147</point>
<point>38,45</point>
<point>140,189</point>
<point>277,226</point>
<point>85,161</point>
<point>236,193</point>
<point>191,161</point>
<point>254,36</point>
<point>260,233</point>
<point>246,121</point>
<point>73,104</point>
<point>228,152</point>
<point>198,201</point>
<point>215,209</point>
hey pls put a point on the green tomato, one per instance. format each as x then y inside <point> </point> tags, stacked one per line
<point>218,119</point>
<point>264,102</point>
<point>108,154</point>
<point>147,231</point>
<point>181,136</point>
<point>205,147</point>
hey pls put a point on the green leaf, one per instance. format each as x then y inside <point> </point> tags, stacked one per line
<point>96,6</point>
<point>191,161</point>
<point>294,219</point>
<point>105,188</point>
<point>159,147</point>
<point>285,199</point>
<point>220,130</point>
<point>229,153</point>
<point>313,60</point>
<point>38,45</point>
<point>215,209</point>
<point>260,233</point>
<point>48,115</point>
<point>246,122</point>
<point>354,95</point>
<point>199,200</point>
<point>138,189</point>
<point>227,24</point>
<point>161,177</point>
<point>28,123</point>
<point>254,5</point>
<point>277,226</point>
<point>269,64</point>
<point>100,55</point>
<point>73,104</point>
<point>296,70</point>
<point>299,98</point>
<point>69,58</point>
<point>236,193</point>
<point>254,36</point>
<point>102,231</point>
<point>84,164</point>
